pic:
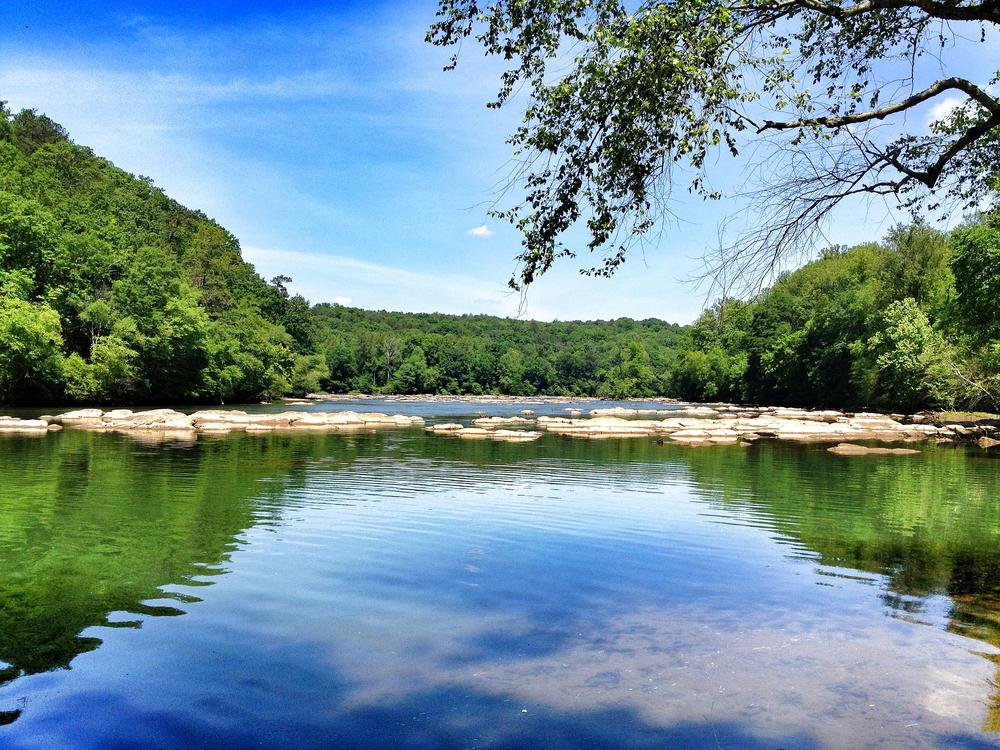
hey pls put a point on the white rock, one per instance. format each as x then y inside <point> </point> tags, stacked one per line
<point>80,415</point>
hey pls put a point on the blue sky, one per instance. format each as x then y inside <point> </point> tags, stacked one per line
<point>328,139</point>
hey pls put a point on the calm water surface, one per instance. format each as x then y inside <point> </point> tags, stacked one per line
<point>405,590</point>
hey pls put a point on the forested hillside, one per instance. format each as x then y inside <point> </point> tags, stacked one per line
<point>909,323</point>
<point>111,292</point>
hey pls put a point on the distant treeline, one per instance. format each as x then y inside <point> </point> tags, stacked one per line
<point>112,292</point>
<point>474,354</point>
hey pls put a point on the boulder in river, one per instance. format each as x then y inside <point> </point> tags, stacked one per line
<point>79,415</point>
<point>228,420</point>
<point>25,426</point>
<point>446,427</point>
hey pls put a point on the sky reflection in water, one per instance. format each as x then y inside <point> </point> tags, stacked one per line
<point>408,590</point>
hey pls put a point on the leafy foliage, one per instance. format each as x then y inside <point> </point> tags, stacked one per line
<point>626,102</point>
<point>474,354</point>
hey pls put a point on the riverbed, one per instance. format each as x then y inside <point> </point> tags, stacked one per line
<point>405,589</point>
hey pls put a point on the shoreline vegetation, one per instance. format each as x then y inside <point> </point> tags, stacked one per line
<point>682,423</point>
<point>112,292</point>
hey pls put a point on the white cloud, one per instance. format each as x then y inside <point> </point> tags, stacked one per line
<point>343,301</point>
<point>944,108</point>
<point>481,231</point>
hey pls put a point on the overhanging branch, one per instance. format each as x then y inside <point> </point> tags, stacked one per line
<point>988,11</point>
<point>840,121</point>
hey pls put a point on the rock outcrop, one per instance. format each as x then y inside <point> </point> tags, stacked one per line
<point>14,425</point>
<point>489,422</point>
<point>715,424</point>
<point>731,425</point>
<point>489,432</point>
<point>229,420</point>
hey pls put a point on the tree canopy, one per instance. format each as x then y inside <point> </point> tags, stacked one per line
<point>628,101</point>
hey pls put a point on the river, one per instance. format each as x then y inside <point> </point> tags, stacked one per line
<point>400,589</point>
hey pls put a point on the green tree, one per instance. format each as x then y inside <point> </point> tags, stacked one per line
<point>630,373</point>
<point>512,367</point>
<point>30,350</point>
<point>976,265</point>
<point>911,363</point>
<point>28,242</point>
<point>308,374</point>
<point>413,375</point>
<point>922,257</point>
<point>111,375</point>
<point>340,366</point>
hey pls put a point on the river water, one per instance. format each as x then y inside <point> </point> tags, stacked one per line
<point>399,589</point>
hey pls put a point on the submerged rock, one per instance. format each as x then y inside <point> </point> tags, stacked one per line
<point>692,424</point>
<point>79,415</point>
<point>446,427</point>
<point>481,433</point>
<point>694,411</point>
<point>850,449</point>
<point>515,436</point>
<point>736,425</point>
<point>488,432</point>
<point>598,427</point>
<point>497,421</point>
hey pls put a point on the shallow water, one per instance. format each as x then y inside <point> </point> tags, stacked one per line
<point>406,590</point>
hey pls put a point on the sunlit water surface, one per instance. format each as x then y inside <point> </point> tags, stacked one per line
<point>405,590</point>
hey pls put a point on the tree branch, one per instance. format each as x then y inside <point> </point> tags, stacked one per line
<point>988,11</point>
<point>839,121</point>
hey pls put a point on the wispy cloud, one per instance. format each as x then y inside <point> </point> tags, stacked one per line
<point>345,301</point>
<point>481,231</point>
<point>944,108</point>
<point>333,278</point>
<point>168,91</point>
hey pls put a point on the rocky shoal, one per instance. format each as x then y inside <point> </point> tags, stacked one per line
<point>717,424</point>
<point>490,432</point>
<point>205,421</point>
<point>728,425</point>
